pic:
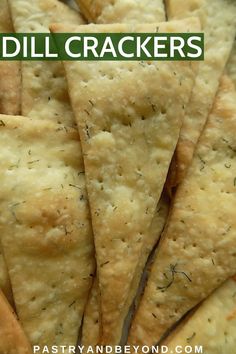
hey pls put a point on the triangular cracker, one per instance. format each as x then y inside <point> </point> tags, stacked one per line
<point>45,227</point>
<point>129,116</point>
<point>92,320</point>
<point>123,11</point>
<point>212,326</point>
<point>231,65</point>
<point>12,337</point>
<point>197,251</point>
<point>10,80</point>
<point>219,24</point>
<point>44,88</point>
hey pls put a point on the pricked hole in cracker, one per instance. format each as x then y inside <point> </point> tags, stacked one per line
<point>36,74</point>
<point>33,299</point>
<point>105,75</point>
<point>163,110</point>
<point>107,130</point>
<point>127,123</point>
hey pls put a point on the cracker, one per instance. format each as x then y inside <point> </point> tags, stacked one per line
<point>12,337</point>
<point>123,11</point>
<point>212,326</point>
<point>197,251</point>
<point>9,71</point>
<point>92,321</point>
<point>129,117</point>
<point>44,88</point>
<point>45,227</point>
<point>231,65</point>
<point>219,24</point>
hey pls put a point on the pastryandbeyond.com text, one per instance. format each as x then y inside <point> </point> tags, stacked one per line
<point>117,349</point>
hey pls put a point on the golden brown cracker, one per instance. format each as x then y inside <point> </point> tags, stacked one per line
<point>45,227</point>
<point>44,88</point>
<point>219,24</point>
<point>197,250</point>
<point>129,117</point>
<point>212,326</point>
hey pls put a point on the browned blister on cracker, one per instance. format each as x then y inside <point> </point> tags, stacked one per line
<point>123,11</point>
<point>218,22</point>
<point>45,227</point>
<point>197,251</point>
<point>129,117</point>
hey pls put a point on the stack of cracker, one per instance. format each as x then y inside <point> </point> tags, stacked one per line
<point>118,185</point>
